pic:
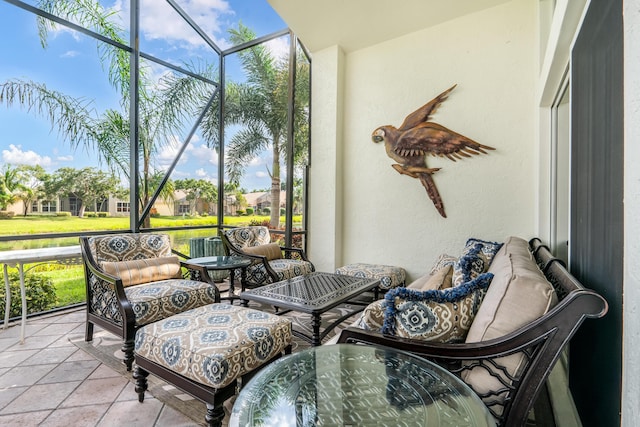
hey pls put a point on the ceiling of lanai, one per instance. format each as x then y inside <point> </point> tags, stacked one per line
<point>356,24</point>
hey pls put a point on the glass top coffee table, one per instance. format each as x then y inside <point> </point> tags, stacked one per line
<point>314,294</point>
<point>357,385</point>
<point>231,263</point>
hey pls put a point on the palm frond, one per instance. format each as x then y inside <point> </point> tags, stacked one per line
<point>244,146</point>
<point>73,117</point>
<point>92,15</point>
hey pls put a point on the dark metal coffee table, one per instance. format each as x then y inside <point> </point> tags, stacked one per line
<point>314,294</point>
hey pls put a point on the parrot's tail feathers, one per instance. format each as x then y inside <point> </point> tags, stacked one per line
<point>432,191</point>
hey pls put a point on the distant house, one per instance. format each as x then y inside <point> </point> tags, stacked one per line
<point>262,199</point>
<point>121,207</point>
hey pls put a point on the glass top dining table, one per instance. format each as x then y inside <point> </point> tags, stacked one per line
<point>357,385</point>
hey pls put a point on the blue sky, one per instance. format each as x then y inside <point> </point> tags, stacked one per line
<point>71,65</point>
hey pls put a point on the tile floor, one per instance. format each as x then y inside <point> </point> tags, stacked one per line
<point>48,381</point>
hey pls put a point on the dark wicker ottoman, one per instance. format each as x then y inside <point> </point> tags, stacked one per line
<point>206,350</point>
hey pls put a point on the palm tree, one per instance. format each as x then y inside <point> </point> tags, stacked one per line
<point>162,111</point>
<point>9,185</point>
<point>261,109</point>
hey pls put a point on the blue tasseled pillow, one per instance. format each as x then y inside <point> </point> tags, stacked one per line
<point>435,315</point>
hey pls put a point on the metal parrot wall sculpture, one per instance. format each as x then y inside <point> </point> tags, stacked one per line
<point>416,138</point>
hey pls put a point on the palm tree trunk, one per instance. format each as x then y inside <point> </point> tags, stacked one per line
<point>274,221</point>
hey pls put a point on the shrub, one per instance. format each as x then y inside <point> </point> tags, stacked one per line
<point>283,211</point>
<point>90,214</point>
<point>204,214</point>
<point>41,294</point>
<point>263,222</point>
<point>266,211</point>
<point>7,214</point>
<point>62,213</point>
<point>239,212</point>
<point>103,214</point>
<point>249,211</point>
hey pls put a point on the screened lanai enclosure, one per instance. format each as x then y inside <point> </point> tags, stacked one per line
<point>144,115</point>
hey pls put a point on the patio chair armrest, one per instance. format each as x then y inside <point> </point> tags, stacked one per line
<point>114,282</point>
<point>498,347</point>
<point>197,272</point>
<point>289,250</point>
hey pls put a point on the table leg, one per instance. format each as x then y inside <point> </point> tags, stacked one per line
<point>243,285</point>
<point>243,278</point>
<point>7,287</point>
<point>315,324</point>
<point>232,286</point>
<point>23,293</point>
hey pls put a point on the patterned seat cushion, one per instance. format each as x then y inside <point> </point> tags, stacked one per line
<point>389,276</point>
<point>158,300</point>
<point>284,268</point>
<point>215,344</point>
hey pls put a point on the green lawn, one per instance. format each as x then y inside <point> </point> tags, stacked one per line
<point>69,280</point>
<point>70,224</point>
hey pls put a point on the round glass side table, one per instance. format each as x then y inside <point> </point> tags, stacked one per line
<point>357,385</point>
<point>231,263</point>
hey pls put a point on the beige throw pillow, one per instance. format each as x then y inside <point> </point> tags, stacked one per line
<point>441,279</point>
<point>271,251</point>
<point>147,270</point>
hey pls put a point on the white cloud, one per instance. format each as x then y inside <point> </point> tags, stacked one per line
<point>201,173</point>
<point>15,155</point>
<point>279,47</point>
<point>64,158</point>
<point>70,54</point>
<point>168,152</point>
<point>204,155</point>
<point>159,21</point>
<point>261,174</point>
<point>257,161</point>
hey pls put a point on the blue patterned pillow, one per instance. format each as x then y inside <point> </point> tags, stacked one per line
<point>434,315</point>
<point>489,249</point>
<point>470,265</point>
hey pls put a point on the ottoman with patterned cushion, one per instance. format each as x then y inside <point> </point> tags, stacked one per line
<point>390,276</point>
<point>204,351</point>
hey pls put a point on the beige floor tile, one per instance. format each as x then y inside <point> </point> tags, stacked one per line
<point>71,371</point>
<point>129,393</point>
<point>25,375</point>
<point>76,316</point>
<point>169,417</point>
<point>9,394</point>
<point>28,419</point>
<point>103,371</point>
<point>79,355</point>
<point>7,342</point>
<point>48,355</point>
<point>13,331</point>
<point>103,390</point>
<point>132,414</point>
<point>9,358</point>
<point>35,342</point>
<point>79,416</point>
<point>61,341</point>
<point>40,397</point>
<point>56,329</point>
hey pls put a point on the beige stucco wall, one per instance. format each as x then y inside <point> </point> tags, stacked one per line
<point>383,217</point>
